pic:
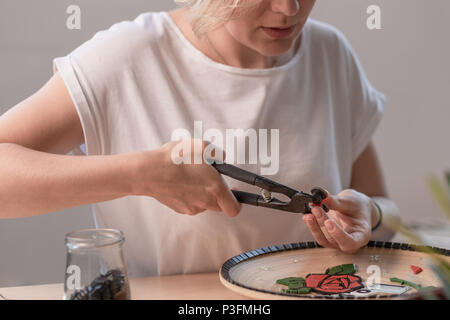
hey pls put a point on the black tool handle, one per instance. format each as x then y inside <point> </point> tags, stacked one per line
<point>252,178</point>
<point>246,197</point>
<point>235,172</point>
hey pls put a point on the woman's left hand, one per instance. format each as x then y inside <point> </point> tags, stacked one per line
<point>348,224</point>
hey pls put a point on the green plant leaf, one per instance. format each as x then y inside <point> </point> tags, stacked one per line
<point>440,266</point>
<point>440,194</point>
<point>447,175</point>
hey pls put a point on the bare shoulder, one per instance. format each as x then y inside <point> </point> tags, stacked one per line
<point>46,121</point>
<point>179,17</point>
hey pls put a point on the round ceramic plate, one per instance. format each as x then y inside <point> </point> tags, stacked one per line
<point>255,273</point>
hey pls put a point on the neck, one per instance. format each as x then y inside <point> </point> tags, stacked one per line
<point>221,47</point>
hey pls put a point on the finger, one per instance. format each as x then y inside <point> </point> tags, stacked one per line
<point>213,206</point>
<point>344,240</point>
<point>194,211</point>
<point>317,233</point>
<point>227,202</point>
<point>321,217</point>
<point>334,203</point>
<point>181,208</point>
<point>342,203</point>
<point>174,205</point>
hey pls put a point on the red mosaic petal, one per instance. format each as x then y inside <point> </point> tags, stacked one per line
<point>416,269</point>
<point>313,280</point>
<point>330,284</point>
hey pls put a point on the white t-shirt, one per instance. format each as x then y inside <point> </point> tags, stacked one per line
<point>136,83</point>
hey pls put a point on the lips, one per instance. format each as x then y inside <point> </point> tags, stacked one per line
<point>279,33</point>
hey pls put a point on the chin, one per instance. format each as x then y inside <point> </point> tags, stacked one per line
<point>270,47</point>
<point>275,49</point>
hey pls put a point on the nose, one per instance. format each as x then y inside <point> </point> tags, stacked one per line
<point>286,7</point>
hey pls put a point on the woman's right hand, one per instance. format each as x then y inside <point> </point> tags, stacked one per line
<point>185,188</point>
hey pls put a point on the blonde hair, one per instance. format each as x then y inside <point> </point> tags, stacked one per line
<point>205,15</point>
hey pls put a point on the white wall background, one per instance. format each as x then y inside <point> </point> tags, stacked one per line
<point>408,60</point>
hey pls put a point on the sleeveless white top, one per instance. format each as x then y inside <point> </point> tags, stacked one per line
<point>136,83</point>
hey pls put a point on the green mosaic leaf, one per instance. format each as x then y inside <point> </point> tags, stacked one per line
<point>292,282</point>
<point>334,270</point>
<point>408,283</point>
<point>304,290</point>
<point>349,268</point>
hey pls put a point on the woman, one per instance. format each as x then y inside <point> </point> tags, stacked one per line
<point>229,64</point>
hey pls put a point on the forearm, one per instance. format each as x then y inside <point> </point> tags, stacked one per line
<point>34,183</point>
<point>389,211</point>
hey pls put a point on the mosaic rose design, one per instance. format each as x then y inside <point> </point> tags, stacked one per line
<point>331,284</point>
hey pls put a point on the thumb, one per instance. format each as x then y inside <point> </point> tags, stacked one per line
<point>344,203</point>
<point>334,203</point>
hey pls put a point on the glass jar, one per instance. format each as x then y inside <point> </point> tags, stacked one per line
<point>95,268</point>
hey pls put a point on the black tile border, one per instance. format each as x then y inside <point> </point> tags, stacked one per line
<point>233,261</point>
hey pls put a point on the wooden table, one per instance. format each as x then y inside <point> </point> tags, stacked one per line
<point>202,286</point>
